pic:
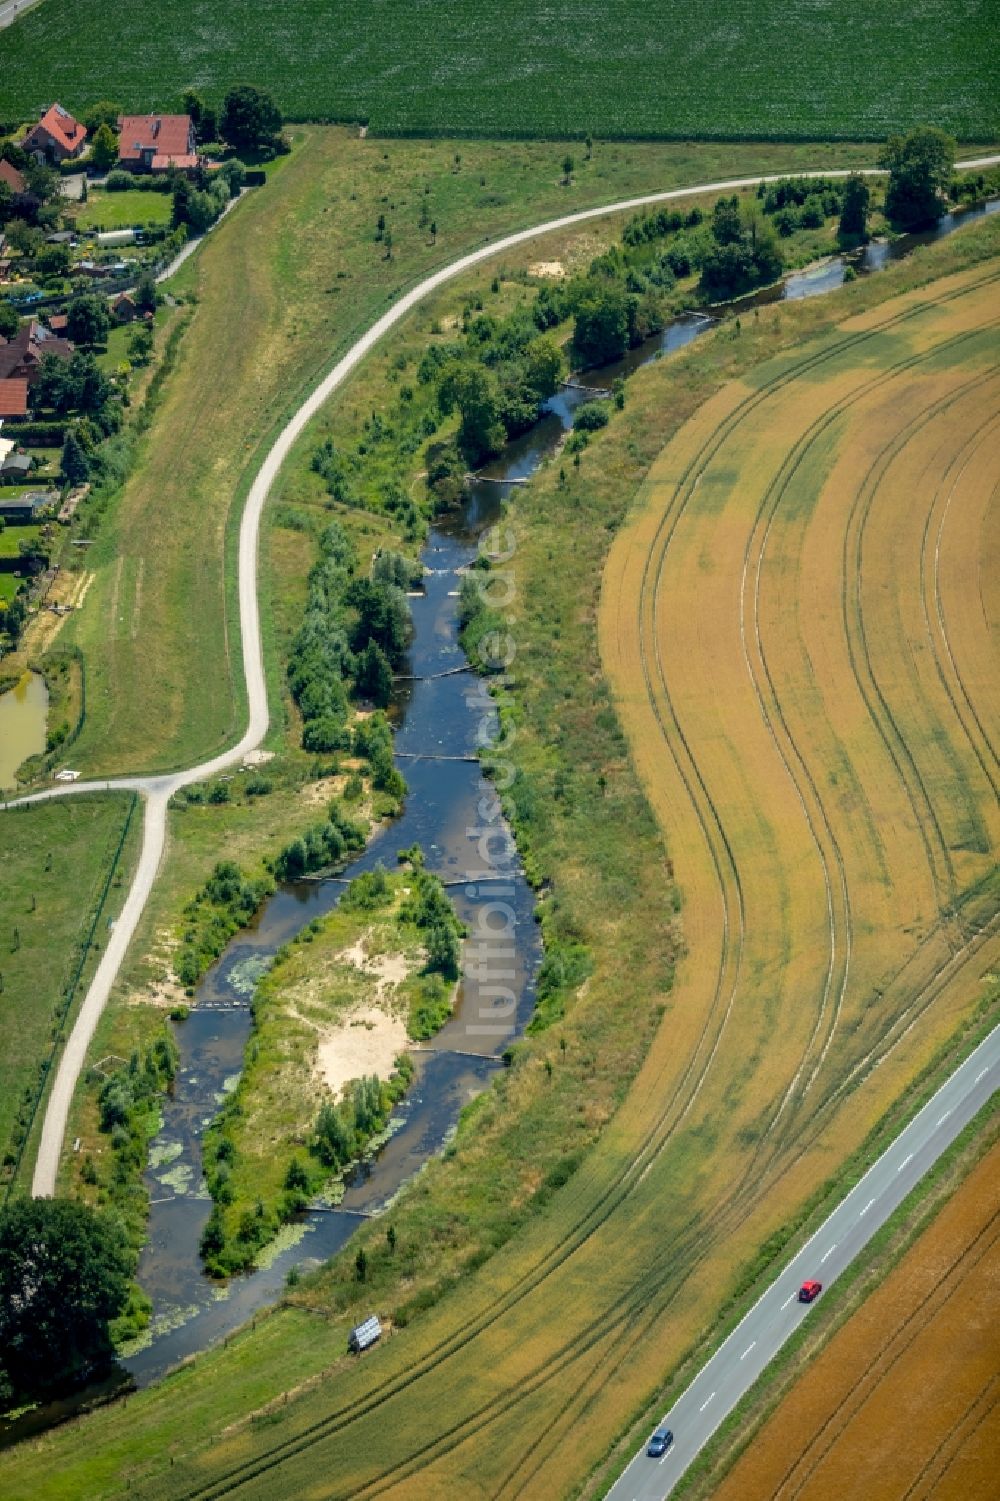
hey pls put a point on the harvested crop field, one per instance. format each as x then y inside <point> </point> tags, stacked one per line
<point>797,627</point>
<point>905,1400</point>
<point>635,68</point>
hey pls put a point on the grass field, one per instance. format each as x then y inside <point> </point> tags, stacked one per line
<point>903,1401</point>
<point>601,1293</point>
<point>57,861</point>
<point>299,261</point>
<point>122,210</point>
<point>627,70</point>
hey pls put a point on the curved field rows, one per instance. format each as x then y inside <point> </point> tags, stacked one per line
<point>822,917</point>
<point>905,1400</point>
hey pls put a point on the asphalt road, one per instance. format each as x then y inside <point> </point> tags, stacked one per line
<point>157,790</point>
<point>737,1363</point>
<point>11,9</point>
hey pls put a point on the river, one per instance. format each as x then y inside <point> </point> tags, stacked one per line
<point>440,720</point>
<point>437,717</point>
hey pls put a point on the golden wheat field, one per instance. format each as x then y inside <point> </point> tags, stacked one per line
<point>796,625</point>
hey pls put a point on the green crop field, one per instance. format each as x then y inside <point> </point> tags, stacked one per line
<point>781,69</point>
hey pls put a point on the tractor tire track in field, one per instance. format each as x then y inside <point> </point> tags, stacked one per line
<point>891,451</point>
<point>937,630</point>
<point>335,1422</point>
<point>982,1406</point>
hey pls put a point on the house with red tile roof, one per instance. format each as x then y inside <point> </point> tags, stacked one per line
<point>155,143</point>
<point>13,398</point>
<point>56,137</point>
<point>21,358</point>
<point>12,177</point>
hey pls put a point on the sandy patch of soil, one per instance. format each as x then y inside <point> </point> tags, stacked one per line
<point>318,794</point>
<point>547,268</point>
<point>388,969</point>
<point>367,1041</point>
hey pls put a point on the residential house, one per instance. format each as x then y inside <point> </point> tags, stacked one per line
<point>12,177</point>
<point>124,309</point>
<point>13,398</point>
<point>58,324</point>
<point>21,358</point>
<point>156,143</point>
<point>57,137</point>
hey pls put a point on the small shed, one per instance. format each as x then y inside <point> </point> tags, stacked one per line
<point>363,1335</point>
<point>14,470</point>
<point>24,509</point>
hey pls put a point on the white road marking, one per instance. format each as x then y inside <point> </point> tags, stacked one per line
<point>944,1117</point>
<point>787,1301</point>
<point>981,1074</point>
<point>749,1347</point>
<point>866,1208</point>
<point>705,1403</point>
<point>906,1159</point>
<point>827,1253</point>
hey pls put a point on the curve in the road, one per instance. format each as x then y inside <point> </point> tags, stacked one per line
<point>158,790</point>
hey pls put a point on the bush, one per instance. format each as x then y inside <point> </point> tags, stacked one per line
<point>591,416</point>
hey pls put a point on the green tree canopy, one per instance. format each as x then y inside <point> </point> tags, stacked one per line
<point>88,319</point>
<point>74,465</point>
<point>853,227</point>
<point>604,321</point>
<point>104,147</point>
<point>475,391</point>
<point>104,112</point>
<point>250,118</point>
<point>727,227</point>
<point>64,1274</point>
<point>10,320</point>
<point>920,167</point>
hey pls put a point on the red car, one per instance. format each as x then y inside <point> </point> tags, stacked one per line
<point>809,1290</point>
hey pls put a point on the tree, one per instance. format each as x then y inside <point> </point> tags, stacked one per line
<point>474,391</point>
<point>727,227</point>
<point>602,327</point>
<point>52,260</point>
<point>920,167</point>
<point>146,295</point>
<point>374,677</point>
<point>74,465</point>
<point>87,319</point>
<point>64,1274</point>
<point>103,148</point>
<point>543,364</point>
<point>250,118</point>
<point>104,112</point>
<point>10,322</point>
<point>853,226</point>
